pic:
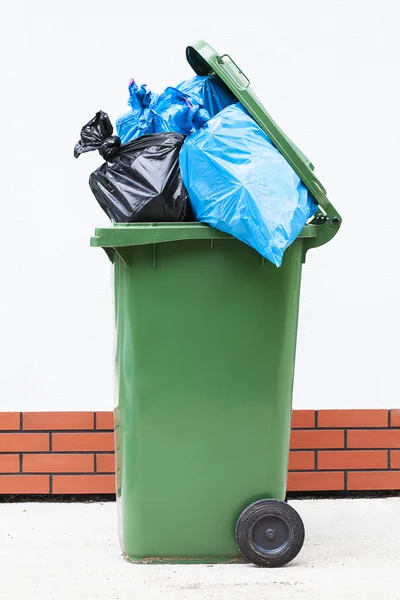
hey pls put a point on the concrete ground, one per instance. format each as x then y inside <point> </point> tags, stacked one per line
<point>71,552</point>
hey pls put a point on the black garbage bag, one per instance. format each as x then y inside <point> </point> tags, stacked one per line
<point>141,180</point>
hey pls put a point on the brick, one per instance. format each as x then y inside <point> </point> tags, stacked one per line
<point>105,463</point>
<point>24,484</point>
<point>10,421</point>
<point>352,459</point>
<point>83,442</point>
<point>373,480</point>
<point>9,463</point>
<point>105,420</point>
<point>24,442</point>
<point>300,439</point>
<point>58,463</point>
<point>395,417</point>
<point>83,484</point>
<point>301,461</point>
<point>303,419</point>
<point>395,459</point>
<point>315,481</point>
<point>353,418</point>
<point>380,438</point>
<point>54,421</point>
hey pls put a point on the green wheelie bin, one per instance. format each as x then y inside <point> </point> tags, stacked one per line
<point>205,353</point>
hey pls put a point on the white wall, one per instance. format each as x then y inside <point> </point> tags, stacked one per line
<point>328,73</point>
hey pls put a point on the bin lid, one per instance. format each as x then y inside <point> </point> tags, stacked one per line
<point>204,60</point>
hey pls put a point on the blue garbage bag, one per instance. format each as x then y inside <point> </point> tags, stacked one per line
<point>171,111</point>
<point>178,112</point>
<point>181,110</point>
<point>210,92</point>
<point>240,183</point>
<point>139,120</point>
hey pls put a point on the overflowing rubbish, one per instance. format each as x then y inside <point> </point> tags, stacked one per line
<point>194,153</point>
<point>240,183</point>
<point>140,181</point>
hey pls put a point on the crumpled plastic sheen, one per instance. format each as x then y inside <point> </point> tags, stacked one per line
<point>239,183</point>
<point>141,180</point>
<point>183,109</point>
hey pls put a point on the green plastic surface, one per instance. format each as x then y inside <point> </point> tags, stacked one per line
<point>206,337</point>
<point>122,235</point>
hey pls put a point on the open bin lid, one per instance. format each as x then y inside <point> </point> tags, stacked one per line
<point>204,60</point>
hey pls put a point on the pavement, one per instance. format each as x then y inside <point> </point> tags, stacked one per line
<point>60,551</point>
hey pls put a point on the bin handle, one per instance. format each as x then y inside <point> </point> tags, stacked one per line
<point>235,74</point>
<point>326,224</point>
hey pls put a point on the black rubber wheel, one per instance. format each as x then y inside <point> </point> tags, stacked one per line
<point>269,533</point>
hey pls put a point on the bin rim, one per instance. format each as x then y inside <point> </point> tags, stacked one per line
<point>122,235</point>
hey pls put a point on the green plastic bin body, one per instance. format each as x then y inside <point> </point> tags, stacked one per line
<point>205,354</point>
<point>206,339</point>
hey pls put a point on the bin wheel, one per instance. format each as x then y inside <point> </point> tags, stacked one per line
<point>269,533</point>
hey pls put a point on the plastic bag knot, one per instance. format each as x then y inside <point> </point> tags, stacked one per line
<point>109,149</point>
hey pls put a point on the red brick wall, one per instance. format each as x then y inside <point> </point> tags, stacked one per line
<point>72,452</point>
